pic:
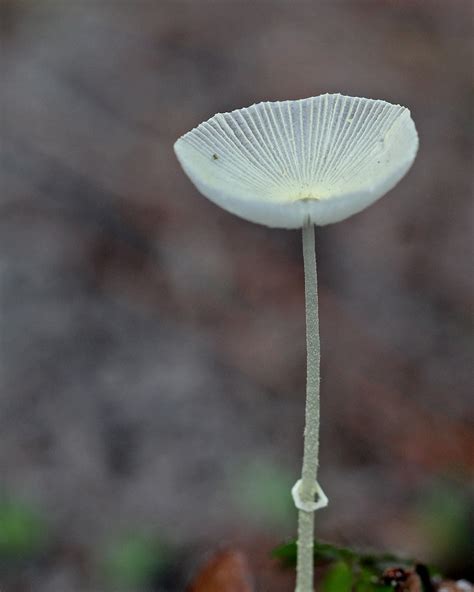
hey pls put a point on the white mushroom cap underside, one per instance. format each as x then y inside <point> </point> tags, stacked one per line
<point>285,164</point>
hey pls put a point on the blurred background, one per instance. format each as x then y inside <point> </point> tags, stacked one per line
<point>152,346</point>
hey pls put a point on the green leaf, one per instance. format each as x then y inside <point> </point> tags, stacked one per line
<point>368,566</point>
<point>323,552</point>
<point>286,554</point>
<point>327,552</point>
<point>23,533</point>
<point>133,561</point>
<point>368,581</point>
<point>443,517</point>
<point>339,578</point>
<point>261,491</point>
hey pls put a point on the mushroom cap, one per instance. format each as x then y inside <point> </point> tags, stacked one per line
<point>285,164</point>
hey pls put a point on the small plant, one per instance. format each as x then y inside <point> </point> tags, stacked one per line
<point>349,570</point>
<point>297,164</point>
<point>23,532</point>
<point>132,561</point>
<point>261,492</point>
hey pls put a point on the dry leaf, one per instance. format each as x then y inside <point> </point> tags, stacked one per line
<point>459,586</point>
<point>402,580</point>
<point>227,571</point>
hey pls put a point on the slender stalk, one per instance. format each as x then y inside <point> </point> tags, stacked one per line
<point>304,577</point>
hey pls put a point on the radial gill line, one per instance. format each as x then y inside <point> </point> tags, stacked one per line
<point>357,154</point>
<point>214,139</point>
<point>309,107</point>
<point>353,131</point>
<point>264,148</point>
<point>315,104</point>
<point>370,140</point>
<point>323,136</point>
<point>240,176</point>
<point>251,151</point>
<point>276,142</point>
<point>292,141</point>
<point>246,157</point>
<point>343,139</point>
<point>328,139</point>
<point>279,157</point>
<point>334,145</point>
<point>322,105</point>
<point>302,145</point>
<point>286,142</point>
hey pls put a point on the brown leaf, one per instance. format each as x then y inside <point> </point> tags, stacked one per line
<point>459,586</point>
<point>402,580</point>
<point>227,571</point>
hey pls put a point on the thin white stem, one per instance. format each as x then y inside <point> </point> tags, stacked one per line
<point>307,489</point>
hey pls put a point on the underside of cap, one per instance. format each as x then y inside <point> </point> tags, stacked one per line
<point>285,164</point>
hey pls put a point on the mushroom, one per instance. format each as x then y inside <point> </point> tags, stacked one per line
<point>297,164</point>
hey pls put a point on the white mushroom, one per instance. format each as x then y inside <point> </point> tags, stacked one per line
<point>290,163</point>
<point>296,164</point>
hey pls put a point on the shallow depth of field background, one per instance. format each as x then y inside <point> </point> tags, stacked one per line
<point>152,346</point>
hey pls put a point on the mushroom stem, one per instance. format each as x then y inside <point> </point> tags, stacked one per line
<point>308,485</point>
